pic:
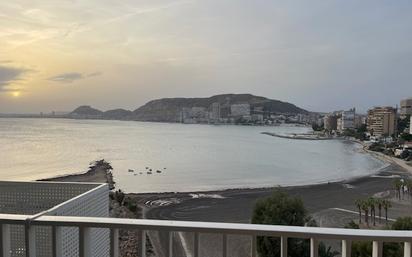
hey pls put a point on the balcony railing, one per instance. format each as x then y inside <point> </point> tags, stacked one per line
<point>84,224</point>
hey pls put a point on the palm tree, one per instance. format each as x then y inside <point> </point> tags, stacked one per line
<point>386,205</point>
<point>371,202</point>
<point>358,203</point>
<point>408,183</point>
<point>398,185</point>
<point>379,203</point>
<point>365,208</point>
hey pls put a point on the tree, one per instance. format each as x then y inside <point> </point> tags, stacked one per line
<point>317,127</point>
<point>364,249</point>
<point>404,223</point>
<point>327,251</point>
<point>358,204</point>
<point>403,123</point>
<point>371,202</point>
<point>280,209</point>
<point>379,203</point>
<point>398,186</point>
<point>365,208</point>
<point>386,205</point>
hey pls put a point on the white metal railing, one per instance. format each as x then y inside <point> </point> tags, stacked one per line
<point>84,224</point>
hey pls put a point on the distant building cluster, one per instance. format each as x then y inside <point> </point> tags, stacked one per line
<point>240,113</point>
<point>339,121</point>
<point>380,121</point>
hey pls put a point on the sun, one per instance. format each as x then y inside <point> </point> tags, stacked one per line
<point>15,93</point>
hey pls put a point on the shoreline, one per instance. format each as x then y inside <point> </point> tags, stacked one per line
<point>383,170</point>
<point>99,175</point>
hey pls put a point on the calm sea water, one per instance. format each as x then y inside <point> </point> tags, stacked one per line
<point>191,157</point>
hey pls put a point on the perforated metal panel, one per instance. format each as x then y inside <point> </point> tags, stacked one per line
<point>61,199</point>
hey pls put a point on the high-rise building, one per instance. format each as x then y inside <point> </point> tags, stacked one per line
<point>346,120</point>
<point>382,121</point>
<point>406,107</point>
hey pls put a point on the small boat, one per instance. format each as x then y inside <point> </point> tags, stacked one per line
<point>147,168</point>
<point>149,173</point>
<point>158,171</point>
<point>150,169</point>
<point>135,174</point>
<point>130,170</point>
<point>164,168</point>
<point>140,173</point>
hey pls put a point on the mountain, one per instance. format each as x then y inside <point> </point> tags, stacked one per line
<point>86,112</point>
<point>170,109</point>
<point>118,114</point>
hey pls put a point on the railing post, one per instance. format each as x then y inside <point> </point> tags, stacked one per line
<point>377,249</point>
<point>407,249</point>
<point>346,248</point>
<point>85,240</point>
<point>30,239</point>
<point>170,244</point>
<point>253,248</point>
<point>114,242</point>
<point>314,247</point>
<point>142,243</point>
<point>5,240</point>
<point>283,246</point>
<point>196,246</point>
<point>224,245</point>
<point>57,240</point>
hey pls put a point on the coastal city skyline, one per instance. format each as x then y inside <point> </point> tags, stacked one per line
<point>56,56</point>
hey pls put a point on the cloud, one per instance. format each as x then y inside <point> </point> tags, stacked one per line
<point>70,77</point>
<point>8,75</point>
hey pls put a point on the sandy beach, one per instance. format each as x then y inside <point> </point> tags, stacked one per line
<point>325,202</point>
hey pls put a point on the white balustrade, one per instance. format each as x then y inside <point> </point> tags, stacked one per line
<point>86,224</point>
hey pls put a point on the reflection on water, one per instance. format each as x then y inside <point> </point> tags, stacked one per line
<point>191,157</point>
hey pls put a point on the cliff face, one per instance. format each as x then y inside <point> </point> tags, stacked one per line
<point>169,109</point>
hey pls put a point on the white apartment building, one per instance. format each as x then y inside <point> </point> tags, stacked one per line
<point>347,120</point>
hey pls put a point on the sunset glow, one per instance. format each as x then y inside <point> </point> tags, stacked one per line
<point>15,94</point>
<point>66,53</point>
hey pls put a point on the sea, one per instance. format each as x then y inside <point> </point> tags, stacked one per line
<point>182,157</point>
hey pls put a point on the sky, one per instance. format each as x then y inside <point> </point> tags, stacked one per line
<point>321,55</point>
